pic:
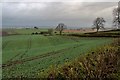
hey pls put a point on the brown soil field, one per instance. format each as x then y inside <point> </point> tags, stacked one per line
<point>77,31</point>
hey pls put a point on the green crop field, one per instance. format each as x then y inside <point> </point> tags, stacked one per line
<point>27,55</point>
<point>24,31</point>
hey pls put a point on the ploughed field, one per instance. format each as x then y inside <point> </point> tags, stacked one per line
<point>27,55</point>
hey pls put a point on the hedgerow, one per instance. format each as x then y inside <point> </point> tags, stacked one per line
<point>103,63</point>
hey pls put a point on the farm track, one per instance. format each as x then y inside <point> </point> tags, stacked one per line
<point>36,57</point>
<point>28,47</point>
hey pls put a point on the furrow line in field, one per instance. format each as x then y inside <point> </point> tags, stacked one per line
<point>28,47</point>
<point>37,57</point>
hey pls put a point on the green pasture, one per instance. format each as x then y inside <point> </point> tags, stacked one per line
<point>24,31</point>
<point>49,50</point>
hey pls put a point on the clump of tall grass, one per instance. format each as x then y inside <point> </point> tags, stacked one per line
<point>104,63</point>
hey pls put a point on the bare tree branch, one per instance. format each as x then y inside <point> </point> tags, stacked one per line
<point>61,27</point>
<point>98,23</point>
<point>116,16</point>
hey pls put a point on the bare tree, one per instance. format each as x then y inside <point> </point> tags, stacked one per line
<point>98,23</point>
<point>61,27</point>
<point>116,16</point>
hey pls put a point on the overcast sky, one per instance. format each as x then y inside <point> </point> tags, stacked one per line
<point>73,14</point>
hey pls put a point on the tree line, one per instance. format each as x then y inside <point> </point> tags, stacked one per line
<point>99,22</point>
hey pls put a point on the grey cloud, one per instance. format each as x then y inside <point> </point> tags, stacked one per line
<point>0,15</point>
<point>59,0</point>
<point>51,13</point>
